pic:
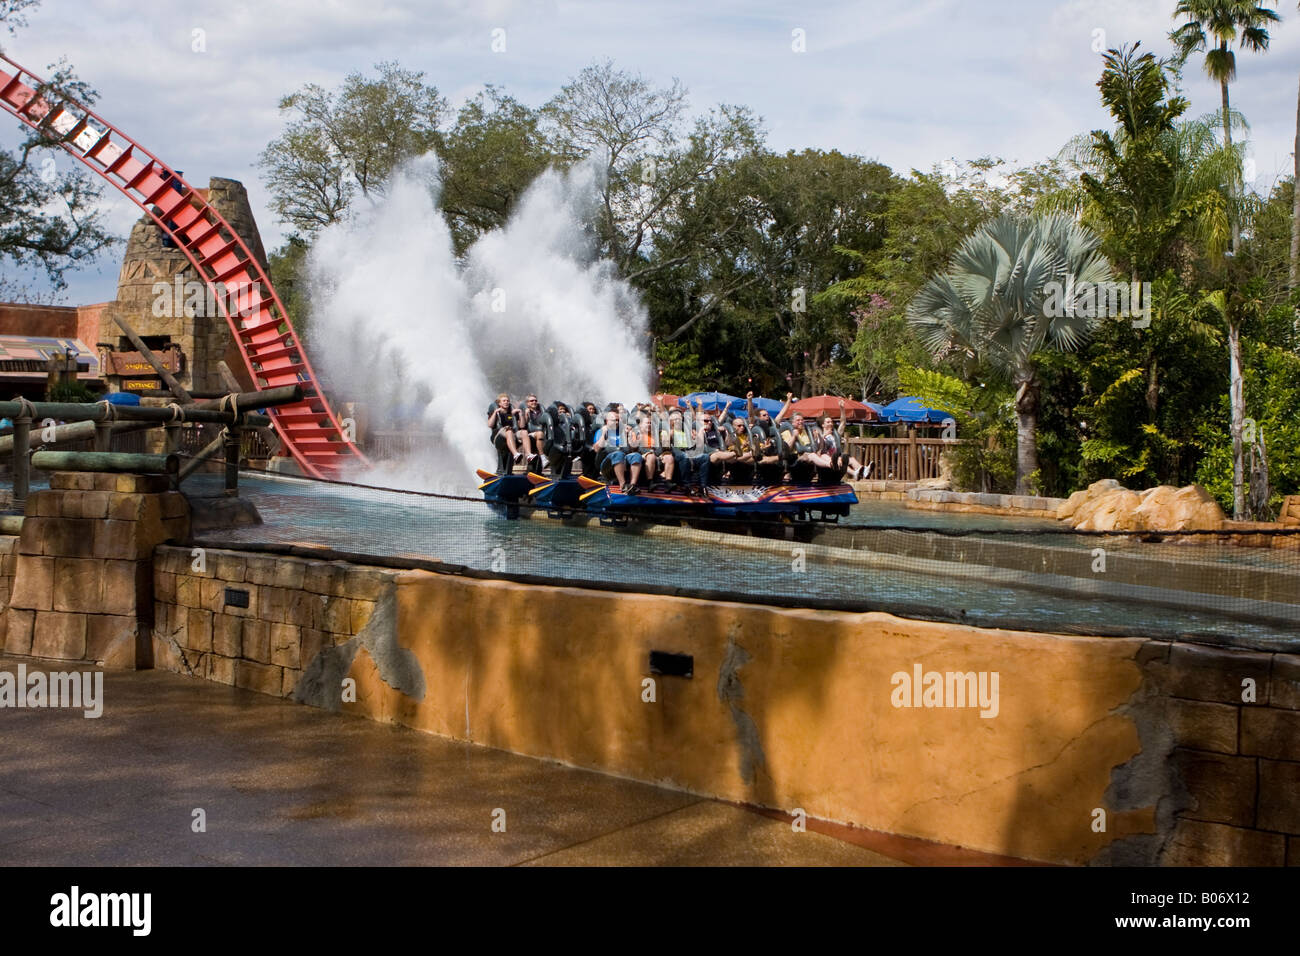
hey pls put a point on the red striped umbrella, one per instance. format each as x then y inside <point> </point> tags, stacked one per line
<point>819,406</point>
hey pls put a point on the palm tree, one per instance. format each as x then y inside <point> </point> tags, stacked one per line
<point>1295,204</point>
<point>1212,26</point>
<point>1153,188</point>
<point>1156,181</point>
<point>1015,288</point>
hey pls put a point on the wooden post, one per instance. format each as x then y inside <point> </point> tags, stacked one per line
<point>119,462</point>
<point>176,388</point>
<point>103,436</point>
<point>172,443</point>
<point>206,452</point>
<point>913,457</point>
<point>228,377</point>
<point>232,445</point>
<point>22,473</point>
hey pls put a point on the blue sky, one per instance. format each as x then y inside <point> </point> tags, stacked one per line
<point>908,82</point>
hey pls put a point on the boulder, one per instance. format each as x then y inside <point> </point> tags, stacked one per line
<point>1163,508</point>
<point>1180,509</point>
<point>1114,510</point>
<point>937,484</point>
<point>1091,493</point>
<point>1289,516</point>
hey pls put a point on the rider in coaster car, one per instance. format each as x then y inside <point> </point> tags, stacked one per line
<point>641,440</point>
<point>710,449</point>
<point>741,469</point>
<point>766,442</point>
<point>675,440</point>
<point>833,456</point>
<point>590,417</point>
<point>799,445</point>
<point>505,436</point>
<point>562,438</point>
<point>612,439</point>
<point>532,431</point>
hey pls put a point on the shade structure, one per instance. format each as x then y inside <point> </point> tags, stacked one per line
<point>819,406</point>
<point>772,406</point>
<point>713,401</point>
<point>910,410</point>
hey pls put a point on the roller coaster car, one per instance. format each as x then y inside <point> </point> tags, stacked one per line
<point>566,496</point>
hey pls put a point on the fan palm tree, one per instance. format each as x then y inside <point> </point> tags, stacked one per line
<point>1015,288</point>
<point>1212,26</point>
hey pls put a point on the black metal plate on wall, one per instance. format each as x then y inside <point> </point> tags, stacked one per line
<point>236,597</point>
<point>672,665</point>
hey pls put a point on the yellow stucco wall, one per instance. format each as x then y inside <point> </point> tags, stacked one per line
<point>557,673</point>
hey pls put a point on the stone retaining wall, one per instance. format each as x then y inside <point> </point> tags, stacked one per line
<point>1234,717</point>
<point>83,569</point>
<point>785,708</point>
<point>972,502</point>
<point>295,608</point>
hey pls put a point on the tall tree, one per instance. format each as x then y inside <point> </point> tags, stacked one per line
<point>749,250</point>
<point>1154,183</point>
<point>489,156</point>
<point>349,140</point>
<point>50,221</point>
<point>1212,27</point>
<point>652,157</point>
<point>1295,203</point>
<point>994,305</point>
<point>1154,190</point>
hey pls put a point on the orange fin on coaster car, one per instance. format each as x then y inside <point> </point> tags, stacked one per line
<point>586,482</point>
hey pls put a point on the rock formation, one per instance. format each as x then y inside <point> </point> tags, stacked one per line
<point>1107,506</point>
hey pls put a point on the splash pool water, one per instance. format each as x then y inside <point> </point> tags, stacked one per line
<point>983,576</point>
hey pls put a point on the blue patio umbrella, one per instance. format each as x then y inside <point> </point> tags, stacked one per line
<point>713,401</point>
<point>910,410</point>
<point>771,404</point>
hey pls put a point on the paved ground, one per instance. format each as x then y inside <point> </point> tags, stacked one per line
<point>281,783</point>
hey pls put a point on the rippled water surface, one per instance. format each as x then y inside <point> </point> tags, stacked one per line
<point>468,533</point>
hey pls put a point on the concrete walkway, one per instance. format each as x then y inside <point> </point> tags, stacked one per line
<point>280,783</point>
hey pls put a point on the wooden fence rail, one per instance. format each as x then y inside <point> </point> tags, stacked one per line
<point>901,459</point>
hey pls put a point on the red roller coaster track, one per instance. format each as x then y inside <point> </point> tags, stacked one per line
<point>269,346</point>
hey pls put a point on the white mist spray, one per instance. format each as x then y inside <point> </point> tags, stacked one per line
<point>397,323</point>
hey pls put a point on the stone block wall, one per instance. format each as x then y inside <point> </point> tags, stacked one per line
<point>150,263</point>
<point>8,559</point>
<point>295,608</point>
<point>83,567</point>
<point>1234,718</point>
